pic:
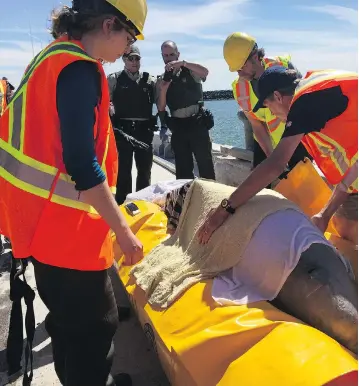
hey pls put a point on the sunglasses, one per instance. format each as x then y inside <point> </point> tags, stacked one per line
<point>134,58</point>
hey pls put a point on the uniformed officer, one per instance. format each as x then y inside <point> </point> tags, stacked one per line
<point>181,90</point>
<point>132,97</point>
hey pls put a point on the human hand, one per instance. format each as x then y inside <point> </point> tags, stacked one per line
<point>320,221</point>
<point>131,247</point>
<point>176,64</point>
<point>215,218</point>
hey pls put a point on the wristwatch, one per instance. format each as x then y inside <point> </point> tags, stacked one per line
<point>225,204</point>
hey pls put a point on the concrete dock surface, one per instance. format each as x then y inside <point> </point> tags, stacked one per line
<point>133,353</point>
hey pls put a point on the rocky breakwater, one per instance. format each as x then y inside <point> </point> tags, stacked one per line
<point>218,95</point>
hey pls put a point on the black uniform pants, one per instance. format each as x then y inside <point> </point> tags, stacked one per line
<point>143,159</point>
<point>189,138</point>
<point>82,321</point>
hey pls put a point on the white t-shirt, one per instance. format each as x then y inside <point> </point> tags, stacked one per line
<point>269,259</point>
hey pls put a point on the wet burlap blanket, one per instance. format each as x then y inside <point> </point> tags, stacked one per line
<point>178,263</point>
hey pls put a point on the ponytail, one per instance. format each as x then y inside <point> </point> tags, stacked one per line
<point>63,22</point>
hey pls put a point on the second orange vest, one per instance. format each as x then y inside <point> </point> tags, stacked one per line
<point>335,147</point>
<point>40,210</point>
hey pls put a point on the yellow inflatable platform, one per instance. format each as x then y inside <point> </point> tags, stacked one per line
<point>200,343</point>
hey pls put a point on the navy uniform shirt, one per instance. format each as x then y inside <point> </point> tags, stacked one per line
<point>78,92</point>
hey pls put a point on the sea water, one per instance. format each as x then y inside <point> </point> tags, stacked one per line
<point>228,129</point>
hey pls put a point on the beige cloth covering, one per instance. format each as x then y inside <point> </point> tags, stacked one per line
<point>178,263</point>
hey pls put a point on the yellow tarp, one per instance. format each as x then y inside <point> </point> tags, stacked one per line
<point>203,344</point>
<point>307,189</point>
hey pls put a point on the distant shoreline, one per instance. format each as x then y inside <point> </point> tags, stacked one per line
<point>218,95</point>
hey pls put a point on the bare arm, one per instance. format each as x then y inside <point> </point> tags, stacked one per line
<point>263,174</point>
<point>339,195</point>
<point>101,198</point>
<point>336,200</point>
<point>266,172</point>
<point>261,132</point>
<point>162,88</point>
<point>198,69</point>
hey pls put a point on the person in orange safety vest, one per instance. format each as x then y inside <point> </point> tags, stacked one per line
<point>58,177</point>
<point>6,90</point>
<point>321,111</point>
<point>242,54</point>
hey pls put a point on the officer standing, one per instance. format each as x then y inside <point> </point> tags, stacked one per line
<point>132,96</point>
<point>181,90</point>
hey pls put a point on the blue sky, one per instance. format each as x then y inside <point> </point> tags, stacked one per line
<point>316,33</point>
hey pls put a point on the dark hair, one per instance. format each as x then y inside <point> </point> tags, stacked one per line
<point>257,51</point>
<point>289,91</point>
<point>261,53</point>
<point>86,16</point>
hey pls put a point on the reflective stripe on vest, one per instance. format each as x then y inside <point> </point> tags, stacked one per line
<point>330,148</point>
<point>27,173</point>
<point>271,63</point>
<point>39,179</point>
<point>243,96</point>
<point>273,125</point>
<point>320,76</point>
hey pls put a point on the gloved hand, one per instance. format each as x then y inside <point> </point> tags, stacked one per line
<point>153,123</point>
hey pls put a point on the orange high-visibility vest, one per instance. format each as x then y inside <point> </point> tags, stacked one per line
<point>335,147</point>
<point>245,96</point>
<point>3,94</point>
<point>40,210</point>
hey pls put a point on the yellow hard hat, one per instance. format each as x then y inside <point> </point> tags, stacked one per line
<point>237,49</point>
<point>134,10</point>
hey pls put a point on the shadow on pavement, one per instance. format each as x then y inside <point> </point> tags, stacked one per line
<point>42,356</point>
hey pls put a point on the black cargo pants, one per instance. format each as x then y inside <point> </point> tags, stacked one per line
<point>143,160</point>
<point>190,137</point>
<point>82,321</point>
